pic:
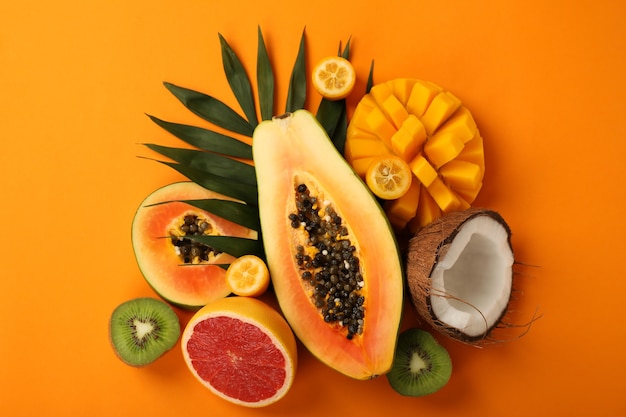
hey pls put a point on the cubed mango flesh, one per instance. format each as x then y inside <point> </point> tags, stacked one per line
<point>409,139</point>
<point>395,111</point>
<point>461,174</point>
<point>443,196</point>
<point>440,109</point>
<point>361,165</point>
<point>401,88</point>
<point>362,148</point>
<point>443,147</point>
<point>423,170</point>
<point>421,96</point>
<point>469,194</point>
<point>462,124</point>
<point>430,129</point>
<point>427,212</point>
<point>378,123</point>
<point>380,92</point>
<point>473,151</point>
<point>404,208</point>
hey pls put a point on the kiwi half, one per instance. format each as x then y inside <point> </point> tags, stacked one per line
<point>142,330</point>
<point>421,365</point>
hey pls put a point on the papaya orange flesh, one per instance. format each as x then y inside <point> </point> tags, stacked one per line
<point>322,228</point>
<point>183,273</point>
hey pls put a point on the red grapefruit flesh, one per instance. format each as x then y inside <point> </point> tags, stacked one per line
<point>242,350</point>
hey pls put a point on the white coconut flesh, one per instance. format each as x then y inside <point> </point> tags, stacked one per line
<point>471,285</point>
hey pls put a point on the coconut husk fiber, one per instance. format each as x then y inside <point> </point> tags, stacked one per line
<point>424,251</point>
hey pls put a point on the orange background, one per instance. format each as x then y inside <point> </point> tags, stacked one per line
<point>544,80</point>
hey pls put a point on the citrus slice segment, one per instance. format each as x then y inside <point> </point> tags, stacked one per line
<point>388,177</point>
<point>248,276</point>
<point>242,350</point>
<point>333,77</point>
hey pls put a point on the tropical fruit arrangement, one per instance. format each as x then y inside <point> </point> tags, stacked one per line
<point>336,217</point>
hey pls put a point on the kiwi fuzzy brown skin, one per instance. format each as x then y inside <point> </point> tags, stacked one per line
<point>425,250</point>
<point>159,333</point>
<point>410,376</point>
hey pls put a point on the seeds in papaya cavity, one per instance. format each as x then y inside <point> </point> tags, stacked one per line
<point>328,262</point>
<point>189,250</point>
<point>294,150</point>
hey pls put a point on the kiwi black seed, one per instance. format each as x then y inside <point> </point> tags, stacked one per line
<point>142,330</point>
<point>421,365</point>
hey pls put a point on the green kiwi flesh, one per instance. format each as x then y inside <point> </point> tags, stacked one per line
<point>142,330</point>
<point>421,365</point>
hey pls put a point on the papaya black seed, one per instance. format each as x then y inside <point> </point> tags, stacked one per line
<point>189,250</point>
<point>332,270</point>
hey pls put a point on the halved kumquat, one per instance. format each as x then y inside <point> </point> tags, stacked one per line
<point>333,77</point>
<point>248,276</point>
<point>388,177</point>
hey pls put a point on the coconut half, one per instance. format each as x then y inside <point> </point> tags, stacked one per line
<point>460,273</point>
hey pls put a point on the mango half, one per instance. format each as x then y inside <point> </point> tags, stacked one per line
<point>434,133</point>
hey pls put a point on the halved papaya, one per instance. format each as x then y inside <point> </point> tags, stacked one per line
<point>332,255</point>
<point>183,271</point>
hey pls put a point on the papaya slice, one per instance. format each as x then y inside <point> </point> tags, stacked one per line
<point>430,129</point>
<point>180,270</point>
<point>332,255</point>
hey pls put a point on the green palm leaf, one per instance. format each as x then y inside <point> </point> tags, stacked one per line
<point>238,81</point>
<point>296,94</point>
<point>265,80</point>
<point>235,246</point>
<point>240,213</point>
<point>339,135</point>
<point>211,109</point>
<point>226,186</point>
<point>207,140</point>
<point>329,113</point>
<point>210,163</point>
<point>370,78</point>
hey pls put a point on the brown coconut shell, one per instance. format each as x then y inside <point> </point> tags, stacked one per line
<point>424,251</point>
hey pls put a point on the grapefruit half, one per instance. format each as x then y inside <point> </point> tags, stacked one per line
<point>242,350</point>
